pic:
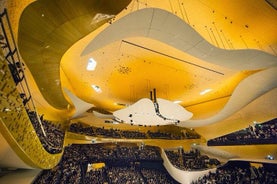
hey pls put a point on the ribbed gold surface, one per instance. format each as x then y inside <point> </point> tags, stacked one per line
<point>16,127</point>
<point>48,28</point>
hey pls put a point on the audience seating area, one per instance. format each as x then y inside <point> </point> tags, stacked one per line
<point>190,161</point>
<point>81,128</point>
<point>241,172</point>
<point>258,133</point>
<point>51,136</point>
<point>108,163</point>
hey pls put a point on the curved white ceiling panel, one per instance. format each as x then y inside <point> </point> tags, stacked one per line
<point>80,106</point>
<point>172,110</point>
<point>166,27</point>
<point>249,89</point>
<point>140,113</point>
<point>146,112</point>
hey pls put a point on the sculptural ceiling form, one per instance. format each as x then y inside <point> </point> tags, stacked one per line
<point>198,62</point>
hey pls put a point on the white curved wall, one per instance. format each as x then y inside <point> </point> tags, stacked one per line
<point>184,177</point>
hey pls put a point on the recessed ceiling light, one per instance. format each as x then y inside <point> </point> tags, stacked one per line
<point>100,17</point>
<point>7,109</point>
<point>96,88</point>
<point>177,101</point>
<point>205,91</point>
<point>57,81</point>
<point>91,64</point>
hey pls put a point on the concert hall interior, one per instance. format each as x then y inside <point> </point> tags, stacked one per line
<point>138,91</point>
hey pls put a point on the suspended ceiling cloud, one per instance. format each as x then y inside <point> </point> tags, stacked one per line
<point>147,112</point>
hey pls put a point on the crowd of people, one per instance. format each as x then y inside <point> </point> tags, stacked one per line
<point>240,173</point>
<point>131,174</point>
<point>130,134</point>
<point>163,135</point>
<point>257,133</point>
<point>120,163</point>
<point>191,160</point>
<point>51,136</point>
